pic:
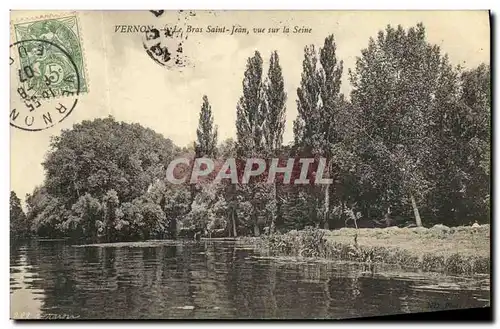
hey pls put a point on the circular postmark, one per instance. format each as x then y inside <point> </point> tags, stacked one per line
<point>165,46</point>
<point>45,84</point>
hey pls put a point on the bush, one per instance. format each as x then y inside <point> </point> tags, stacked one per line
<point>309,242</point>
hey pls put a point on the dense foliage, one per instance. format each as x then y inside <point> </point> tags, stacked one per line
<point>411,144</point>
<point>103,181</point>
<point>19,226</point>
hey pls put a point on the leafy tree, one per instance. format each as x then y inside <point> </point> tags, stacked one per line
<point>306,126</point>
<point>35,203</point>
<point>97,156</point>
<point>319,103</point>
<point>18,222</point>
<point>176,204</point>
<point>394,84</point>
<point>461,120</point>
<point>227,148</point>
<point>476,100</point>
<point>97,180</point>
<point>249,112</point>
<point>300,207</point>
<point>206,144</point>
<point>154,218</point>
<point>274,105</point>
<point>228,202</point>
<point>209,210</point>
<point>87,220</point>
<point>50,221</point>
<point>110,205</point>
<point>250,119</point>
<point>274,124</point>
<point>130,221</point>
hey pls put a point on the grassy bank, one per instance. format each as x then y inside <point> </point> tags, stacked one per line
<point>459,250</point>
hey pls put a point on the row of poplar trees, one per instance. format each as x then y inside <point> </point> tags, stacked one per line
<point>412,141</point>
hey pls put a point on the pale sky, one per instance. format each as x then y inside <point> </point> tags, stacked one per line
<point>125,82</point>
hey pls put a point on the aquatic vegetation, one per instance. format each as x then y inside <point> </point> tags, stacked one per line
<point>432,250</point>
<point>305,243</point>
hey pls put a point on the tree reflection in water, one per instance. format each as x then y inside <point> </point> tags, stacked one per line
<point>212,280</point>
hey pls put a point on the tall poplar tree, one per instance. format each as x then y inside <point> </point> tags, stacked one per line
<point>319,102</point>
<point>306,125</point>
<point>206,144</point>
<point>249,112</point>
<point>250,118</point>
<point>274,107</point>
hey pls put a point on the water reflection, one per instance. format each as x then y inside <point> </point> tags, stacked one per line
<point>217,280</point>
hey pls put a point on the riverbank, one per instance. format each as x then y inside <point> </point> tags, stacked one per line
<point>458,250</point>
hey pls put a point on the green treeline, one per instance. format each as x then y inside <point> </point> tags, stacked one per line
<point>411,143</point>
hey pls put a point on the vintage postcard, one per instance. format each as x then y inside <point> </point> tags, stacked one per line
<point>249,164</point>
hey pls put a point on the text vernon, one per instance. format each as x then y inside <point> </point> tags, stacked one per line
<point>133,28</point>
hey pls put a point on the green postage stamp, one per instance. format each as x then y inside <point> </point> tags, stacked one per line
<point>55,57</point>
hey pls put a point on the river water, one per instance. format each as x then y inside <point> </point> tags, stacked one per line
<point>217,280</point>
